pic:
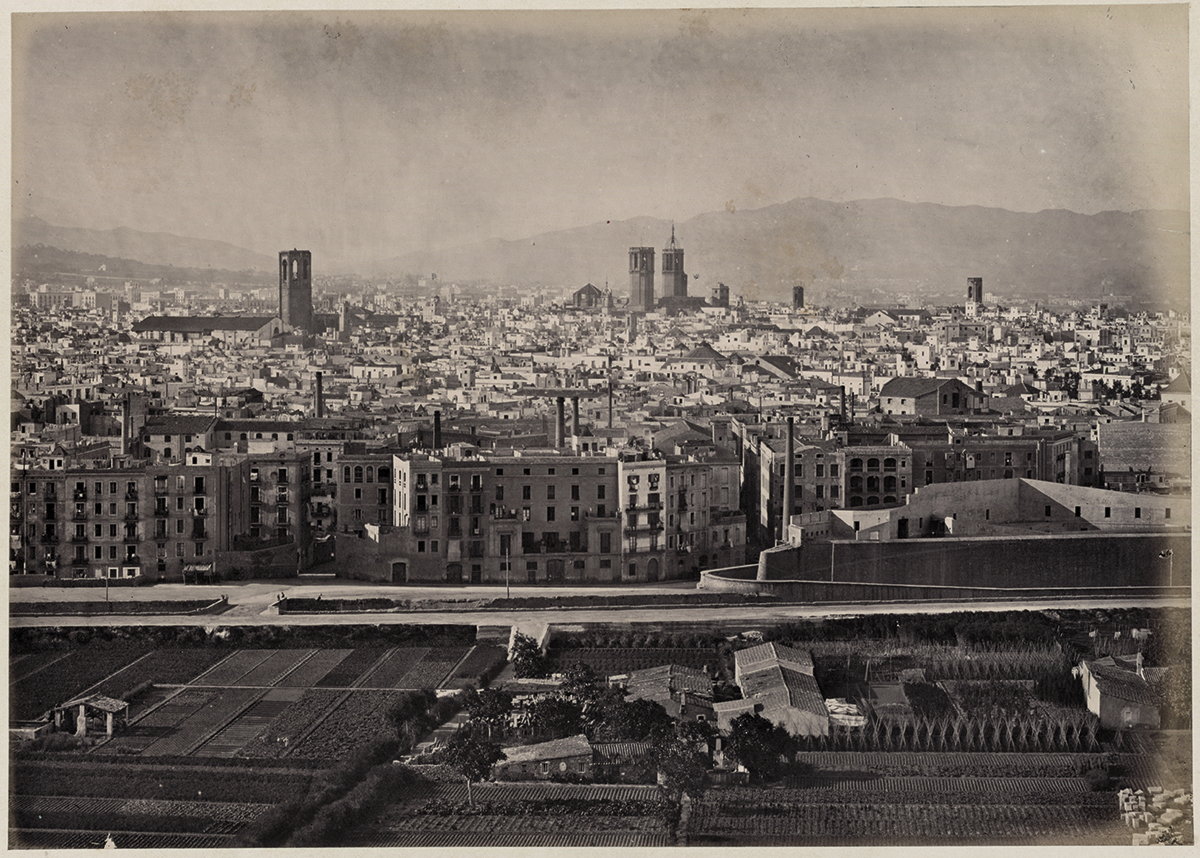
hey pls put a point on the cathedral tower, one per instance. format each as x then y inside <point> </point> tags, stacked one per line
<point>641,278</point>
<point>295,289</point>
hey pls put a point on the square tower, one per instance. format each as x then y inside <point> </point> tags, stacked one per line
<point>295,289</point>
<point>975,289</point>
<point>674,277</point>
<point>641,278</point>
<point>797,297</point>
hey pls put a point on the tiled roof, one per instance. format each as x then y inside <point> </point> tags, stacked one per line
<point>1120,683</point>
<point>180,424</point>
<point>749,659</point>
<point>572,746</point>
<point>200,324</point>
<point>669,678</point>
<point>909,387</point>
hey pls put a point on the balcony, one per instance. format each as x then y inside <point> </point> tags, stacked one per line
<point>80,494</point>
<point>506,515</point>
<point>49,539</point>
<point>454,488</point>
<point>649,507</point>
<point>79,561</point>
<point>160,489</point>
<point>79,538</point>
<point>606,516</point>
<point>648,527</point>
<point>131,494</point>
<point>199,533</point>
<point>79,516</point>
<point>161,511</point>
<point>132,516</point>
<point>200,512</point>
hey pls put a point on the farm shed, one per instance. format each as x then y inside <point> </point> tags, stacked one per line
<point>87,714</point>
<point>624,762</point>
<point>1117,691</point>
<point>777,681</point>
<point>545,760</point>
<point>686,693</point>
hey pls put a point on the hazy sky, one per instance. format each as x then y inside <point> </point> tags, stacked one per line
<point>363,136</point>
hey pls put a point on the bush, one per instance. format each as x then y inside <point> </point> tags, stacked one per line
<point>1097,779</point>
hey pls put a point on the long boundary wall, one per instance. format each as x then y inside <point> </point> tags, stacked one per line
<point>967,568</point>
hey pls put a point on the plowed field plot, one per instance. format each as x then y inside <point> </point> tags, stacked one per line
<point>357,721</point>
<point>476,840</point>
<point>432,669</point>
<point>162,667</point>
<point>212,810</point>
<point>68,839</point>
<point>394,667</point>
<point>794,817</point>
<point>943,785</point>
<point>609,661</point>
<point>281,735</point>
<point>481,658</point>
<point>67,678</point>
<point>235,735</point>
<point>157,724</point>
<point>349,669</point>
<point>275,667</point>
<point>25,665</point>
<point>212,715</point>
<point>310,672</point>
<point>234,668</point>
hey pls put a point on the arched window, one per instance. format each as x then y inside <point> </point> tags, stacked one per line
<point>856,484</point>
<point>358,473</point>
<point>856,464</point>
<point>370,474</point>
<point>872,484</point>
<point>872,464</point>
<point>872,500</point>
<point>383,475</point>
<point>346,474</point>
<point>889,464</point>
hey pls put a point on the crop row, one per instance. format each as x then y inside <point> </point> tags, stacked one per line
<point>350,668</point>
<point>42,691</point>
<point>43,840</point>
<point>1066,731</point>
<point>481,659</point>
<point>126,821</point>
<point>357,721</point>
<point>283,732</point>
<point>495,793</point>
<point>431,670</point>
<point>930,822</point>
<point>93,777</point>
<point>192,730</point>
<point>22,666</point>
<point>526,824</point>
<point>220,811</point>
<point>513,841</point>
<point>934,764</point>
<point>609,661</point>
<point>941,784</point>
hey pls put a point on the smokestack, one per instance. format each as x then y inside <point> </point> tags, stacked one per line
<point>320,397</point>
<point>560,421</point>
<point>437,430</point>
<point>575,415</point>
<point>789,479</point>
<point>126,433</point>
<point>610,392</point>
<point>843,400</point>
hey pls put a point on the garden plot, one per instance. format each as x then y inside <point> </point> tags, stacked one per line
<point>25,839</point>
<point>357,721</point>
<point>162,667</point>
<point>158,723</point>
<point>395,666</point>
<point>432,669</point>
<point>311,671</point>
<point>285,730</point>
<point>205,720</point>
<point>275,667</point>
<point>349,669</point>
<point>235,735</point>
<point>64,679</point>
<point>23,666</point>
<point>233,668</point>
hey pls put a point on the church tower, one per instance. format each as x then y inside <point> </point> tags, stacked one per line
<point>641,279</point>
<point>295,289</point>
<point>674,277</point>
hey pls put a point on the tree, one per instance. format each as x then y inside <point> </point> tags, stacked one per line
<point>409,716</point>
<point>472,758</point>
<point>632,720</point>
<point>682,760</point>
<point>528,661</point>
<point>556,717</point>
<point>491,706</point>
<point>581,682</point>
<point>758,744</point>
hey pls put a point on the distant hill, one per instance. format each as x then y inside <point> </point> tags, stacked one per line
<point>152,248</point>
<point>856,246</point>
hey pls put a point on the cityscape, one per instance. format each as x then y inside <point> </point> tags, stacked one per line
<point>742,519</point>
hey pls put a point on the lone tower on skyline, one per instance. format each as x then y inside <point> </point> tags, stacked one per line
<point>674,277</point>
<point>975,289</point>
<point>641,278</point>
<point>295,289</point>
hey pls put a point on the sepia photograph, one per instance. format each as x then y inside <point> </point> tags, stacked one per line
<point>613,428</point>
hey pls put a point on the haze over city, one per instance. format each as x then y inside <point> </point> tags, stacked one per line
<point>366,136</point>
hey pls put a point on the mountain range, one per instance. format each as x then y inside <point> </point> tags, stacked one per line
<point>850,248</point>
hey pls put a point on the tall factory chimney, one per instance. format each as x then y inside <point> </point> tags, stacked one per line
<point>320,398</point>
<point>560,428</point>
<point>789,479</point>
<point>574,415</point>
<point>437,430</point>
